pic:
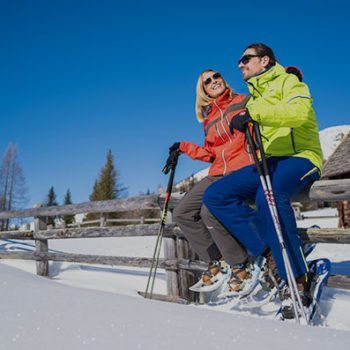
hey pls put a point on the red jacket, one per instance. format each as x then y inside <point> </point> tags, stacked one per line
<point>226,152</point>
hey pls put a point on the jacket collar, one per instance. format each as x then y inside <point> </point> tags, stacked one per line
<point>259,82</point>
<point>222,100</point>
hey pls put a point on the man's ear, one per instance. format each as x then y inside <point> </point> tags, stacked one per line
<point>265,60</point>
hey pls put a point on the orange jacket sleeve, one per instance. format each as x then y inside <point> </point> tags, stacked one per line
<point>196,152</point>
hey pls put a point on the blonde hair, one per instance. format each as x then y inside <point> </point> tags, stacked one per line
<point>202,98</point>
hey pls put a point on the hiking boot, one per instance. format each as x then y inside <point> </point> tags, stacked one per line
<point>304,286</point>
<point>244,279</point>
<point>214,268</point>
<point>270,277</point>
<point>239,276</point>
<point>216,274</point>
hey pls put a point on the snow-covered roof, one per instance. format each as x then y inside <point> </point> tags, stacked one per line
<point>338,165</point>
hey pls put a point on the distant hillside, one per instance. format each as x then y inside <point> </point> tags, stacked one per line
<point>330,138</point>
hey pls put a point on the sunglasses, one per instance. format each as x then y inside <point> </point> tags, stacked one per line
<point>246,58</point>
<point>213,77</point>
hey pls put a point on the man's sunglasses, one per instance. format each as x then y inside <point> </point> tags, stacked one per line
<point>246,58</point>
<point>213,77</point>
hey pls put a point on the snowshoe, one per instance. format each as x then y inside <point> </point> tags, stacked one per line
<point>270,283</point>
<point>243,280</point>
<point>319,271</point>
<point>218,272</point>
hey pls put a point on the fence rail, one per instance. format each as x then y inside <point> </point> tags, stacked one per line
<point>179,261</point>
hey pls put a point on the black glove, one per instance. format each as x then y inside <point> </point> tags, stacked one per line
<point>171,162</point>
<point>240,122</point>
<point>296,71</point>
<point>174,147</point>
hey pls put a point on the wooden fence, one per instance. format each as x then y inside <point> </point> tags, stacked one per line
<point>179,261</point>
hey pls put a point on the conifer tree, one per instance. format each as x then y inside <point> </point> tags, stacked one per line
<point>68,219</point>
<point>50,201</point>
<point>107,186</point>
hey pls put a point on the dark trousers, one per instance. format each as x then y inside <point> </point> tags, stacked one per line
<point>254,228</point>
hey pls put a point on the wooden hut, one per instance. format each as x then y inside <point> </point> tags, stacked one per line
<point>338,167</point>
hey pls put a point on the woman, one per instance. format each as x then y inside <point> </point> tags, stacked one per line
<point>216,105</point>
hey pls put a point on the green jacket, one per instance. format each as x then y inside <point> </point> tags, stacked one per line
<point>283,107</point>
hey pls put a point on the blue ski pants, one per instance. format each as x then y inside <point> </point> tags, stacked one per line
<point>254,228</point>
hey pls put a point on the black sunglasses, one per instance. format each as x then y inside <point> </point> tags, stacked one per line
<point>246,58</point>
<point>214,77</point>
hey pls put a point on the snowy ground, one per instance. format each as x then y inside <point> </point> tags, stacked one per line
<point>97,307</point>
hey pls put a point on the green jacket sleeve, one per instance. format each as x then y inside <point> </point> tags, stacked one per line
<point>290,109</point>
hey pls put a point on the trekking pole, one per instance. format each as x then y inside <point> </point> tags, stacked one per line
<point>264,175</point>
<point>155,259</point>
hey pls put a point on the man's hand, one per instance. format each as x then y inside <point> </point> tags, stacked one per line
<point>240,121</point>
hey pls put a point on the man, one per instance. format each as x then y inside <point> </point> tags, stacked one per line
<point>282,106</point>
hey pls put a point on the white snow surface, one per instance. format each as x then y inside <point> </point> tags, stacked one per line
<point>97,307</point>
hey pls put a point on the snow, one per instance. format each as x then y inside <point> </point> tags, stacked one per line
<point>331,137</point>
<point>97,307</point>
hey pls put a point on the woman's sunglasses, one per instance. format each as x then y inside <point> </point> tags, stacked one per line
<point>246,58</point>
<point>215,76</point>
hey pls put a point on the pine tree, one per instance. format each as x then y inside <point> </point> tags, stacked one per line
<point>107,186</point>
<point>68,219</point>
<point>51,201</point>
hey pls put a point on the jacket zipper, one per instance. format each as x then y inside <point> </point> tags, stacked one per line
<point>221,121</point>
<point>293,142</point>
<point>254,88</point>
<point>218,131</point>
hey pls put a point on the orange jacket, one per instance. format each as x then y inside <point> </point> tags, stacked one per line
<point>226,152</point>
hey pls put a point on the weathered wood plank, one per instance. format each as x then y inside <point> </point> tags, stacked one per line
<point>171,275</point>
<point>41,246</point>
<point>185,277</point>
<point>119,205</point>
<point>339,281</point>
<point>22,235</point>
<point>330,190</point>
<point>81,258</point>
<point>335,281</point>
<point>323,190</point>
<point>111,231</point>
<point>325,235</point>
<point>326,190</point>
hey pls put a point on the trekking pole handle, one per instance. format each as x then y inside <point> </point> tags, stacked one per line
<point>257,133</point>
<point>253,148</point>
<point>172,164</point>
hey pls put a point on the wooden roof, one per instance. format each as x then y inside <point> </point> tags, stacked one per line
<point>338,164</point>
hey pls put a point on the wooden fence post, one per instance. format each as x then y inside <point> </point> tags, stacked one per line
<point>185,278</point>
<point>103,220</point>
<point>41,245</point>
<point>170,254</point>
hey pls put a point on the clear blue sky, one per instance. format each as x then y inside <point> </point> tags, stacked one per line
<point>80,77</point>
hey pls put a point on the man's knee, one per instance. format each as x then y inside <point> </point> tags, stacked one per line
<point>210,196</point>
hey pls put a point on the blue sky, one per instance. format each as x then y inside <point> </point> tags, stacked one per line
<point>81,77</point>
